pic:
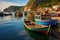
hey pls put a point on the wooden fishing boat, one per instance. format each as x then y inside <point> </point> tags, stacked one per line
<point>35,27</point>
<point>45,20</point>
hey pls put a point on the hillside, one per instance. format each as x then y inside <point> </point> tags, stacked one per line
<point>34,4</point>
<point>12,8</point>
<point>37,5</point>
<point>42,3</point>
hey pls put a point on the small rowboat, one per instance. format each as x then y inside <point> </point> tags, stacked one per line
<point>35,27</point>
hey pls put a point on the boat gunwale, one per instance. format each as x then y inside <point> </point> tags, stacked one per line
<point>34,27</point>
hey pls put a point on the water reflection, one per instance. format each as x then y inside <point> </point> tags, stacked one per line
<point>12,28</point>
<point>36,35</point>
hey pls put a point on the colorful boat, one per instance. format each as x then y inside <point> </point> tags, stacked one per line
<point>35,27</point>
<point>45,20</point>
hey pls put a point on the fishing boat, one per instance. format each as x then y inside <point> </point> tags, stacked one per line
<point>36,27</point>
<point>45,20</point>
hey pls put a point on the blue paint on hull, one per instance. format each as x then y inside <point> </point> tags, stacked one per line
<point>52,22</point>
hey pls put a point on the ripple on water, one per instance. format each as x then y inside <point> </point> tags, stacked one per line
<point>12,28</point>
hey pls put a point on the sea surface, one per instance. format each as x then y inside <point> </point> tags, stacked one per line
<point>12,28</point>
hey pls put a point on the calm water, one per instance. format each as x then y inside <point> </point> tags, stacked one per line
<point>12,28</point>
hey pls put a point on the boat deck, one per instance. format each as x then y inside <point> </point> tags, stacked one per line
<point>33,25</point>
<point>36,26</point>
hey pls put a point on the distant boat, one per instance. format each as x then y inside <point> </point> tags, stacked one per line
<point>1,14</point>
<point>7,13</point>
<point>45,20</point>
<point>35,27</point>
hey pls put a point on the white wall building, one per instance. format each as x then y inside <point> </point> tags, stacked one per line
<point>56,6</point>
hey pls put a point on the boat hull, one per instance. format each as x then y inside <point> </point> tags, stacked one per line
<point>52,22</point>
<point>41,30</point>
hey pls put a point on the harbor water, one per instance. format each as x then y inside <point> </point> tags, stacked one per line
<point>12,28</point>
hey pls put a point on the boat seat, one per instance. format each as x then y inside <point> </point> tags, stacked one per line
<point>28,22</point>
<point>33,24</point>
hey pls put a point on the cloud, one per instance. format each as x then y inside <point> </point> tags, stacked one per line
<point>4,4</point>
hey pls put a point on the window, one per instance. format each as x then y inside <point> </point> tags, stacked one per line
<point>36,17</point>
<point>45,17</point>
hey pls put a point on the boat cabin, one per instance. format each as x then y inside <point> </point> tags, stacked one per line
<point>42,17</point>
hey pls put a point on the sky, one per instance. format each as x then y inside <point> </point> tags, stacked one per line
<point>6,3</point>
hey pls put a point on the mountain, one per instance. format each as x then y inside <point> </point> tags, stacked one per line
<point>12,8</point>
<point>34,4</point>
